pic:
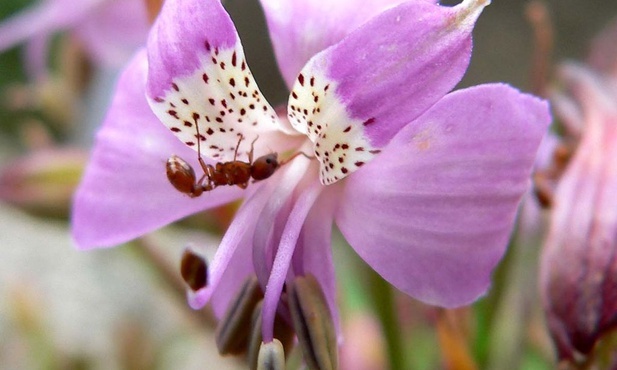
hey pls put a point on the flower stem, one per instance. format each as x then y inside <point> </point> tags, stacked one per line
<point>384,303</point>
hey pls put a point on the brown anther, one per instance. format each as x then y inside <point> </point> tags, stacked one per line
<point>313,324</point>
<point>194,270</point>
<point>233,331</point>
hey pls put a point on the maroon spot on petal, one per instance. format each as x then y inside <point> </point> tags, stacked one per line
<point>212,101</point>
<point>347,129</point>
<point>232,82</point>
<point>214,147</point>
<point>294,95</point>
<point>312,81</point>
<point>232,96</point>
<point>173,113</point>
<point>359,163</point>
<point>219,119</point>
<point>195,116</point>
<point>247,81</point>
<point>341,160</point>
<point>344,170</point>
<point>224,103</point>
<point>326,87</point>
<point>175,129</point>
<point>359,149</point>
<point>210,131</point>
<point>158,99</point>
<point>242,112</point>
<point>345,146</point>
<point>173,84</point>
<point>207,45</point>
<point>375,151</point>
<point>369,121</point>
<point>243,67</point>
<point>331,165</point>
<point>233,59</point>
<point>185,101</point>
<point>188,124</point>
<point>222,64</point>
<point>216,51</point>
<point>214,61</point>
<point>205,77</point>
<point>252,106</point>
<point>301,79</point>
<point>189,143</point>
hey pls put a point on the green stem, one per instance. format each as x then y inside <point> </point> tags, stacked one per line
<point>383,300</point>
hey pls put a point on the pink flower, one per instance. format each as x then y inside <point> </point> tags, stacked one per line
<point>424,184</point>
<point>110,30</point>
<point>579,263</point>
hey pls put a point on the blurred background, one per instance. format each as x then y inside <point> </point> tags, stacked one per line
<point>124,308</point>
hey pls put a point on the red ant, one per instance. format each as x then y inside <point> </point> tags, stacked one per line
<point>182,176</point>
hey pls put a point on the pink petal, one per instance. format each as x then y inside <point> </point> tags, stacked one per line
<point>113,32</point>
<point>433,212</point>
<point>352,98</point>
<point>284,254</point>
<point>289,23</point>
<point>273,217</point>
<point>199,84</point>
<point>313,253</point>
<point>125,192</point>
<point>44,18</point>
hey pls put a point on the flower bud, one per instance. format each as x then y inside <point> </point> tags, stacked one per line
<point>313,324</point>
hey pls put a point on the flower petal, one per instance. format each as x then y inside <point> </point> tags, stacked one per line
<point>114,32</point>
<point>283,257</point>
<point>46,17</point>
<point>433,212</point>
<point>313,253</point>
<point>124,192</point>
<point>199,84</point>
<point>352,98</point>
<point>289,23</point>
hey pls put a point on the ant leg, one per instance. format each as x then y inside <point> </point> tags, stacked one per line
<point>282,163</point>
<point>252,147</point>
<point>238,146</point>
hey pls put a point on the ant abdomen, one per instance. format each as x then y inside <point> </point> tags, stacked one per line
<point>264,166</point>
<point>182,176</point>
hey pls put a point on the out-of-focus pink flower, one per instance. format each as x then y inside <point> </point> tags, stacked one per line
<point>579,262</point>
<point>109,30</point>
<point>423,183</point>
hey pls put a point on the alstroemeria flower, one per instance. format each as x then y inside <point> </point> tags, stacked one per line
<point>423,184</point>
<point>109,30</point>
<point>579,265</point>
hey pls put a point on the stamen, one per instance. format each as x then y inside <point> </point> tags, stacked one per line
<point>194,270</point>
<point>271,356</point>
<point>232,333</point>
<point>282,333</point>
<point>312,321</point>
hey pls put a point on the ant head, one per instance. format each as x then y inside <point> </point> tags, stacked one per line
<point>264,166</point>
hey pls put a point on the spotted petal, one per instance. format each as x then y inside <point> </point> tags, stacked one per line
<point>199,84</point>
<point>352,98</point>
<point>433,213</point>
<point>327,22</point>
<point>125,192</point>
